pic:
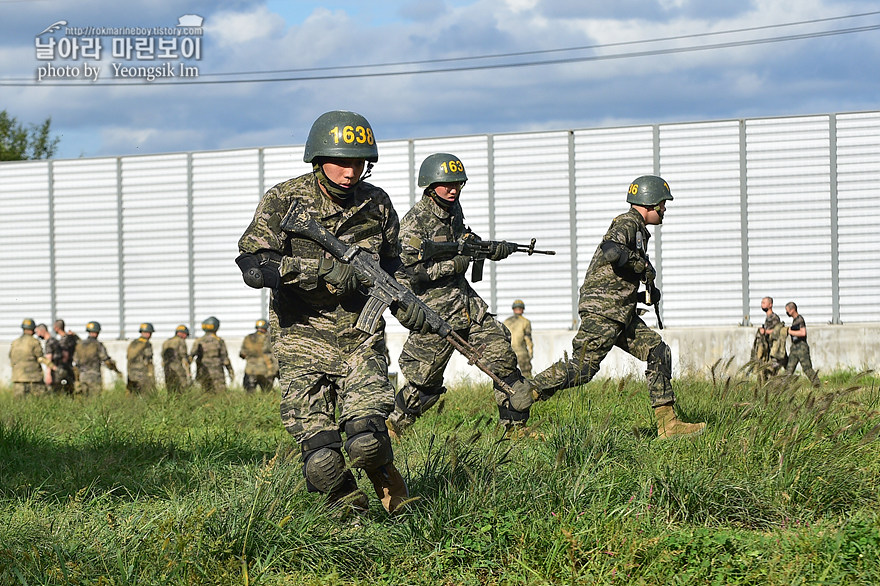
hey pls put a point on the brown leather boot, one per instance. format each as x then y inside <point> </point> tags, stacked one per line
<point>348,498</point>
<point>669,426</point>
<point>390,486</point>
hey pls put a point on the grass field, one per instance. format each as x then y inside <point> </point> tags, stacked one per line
<point>783,488</point>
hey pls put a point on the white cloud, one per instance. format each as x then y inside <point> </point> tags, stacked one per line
<point>236,28</point>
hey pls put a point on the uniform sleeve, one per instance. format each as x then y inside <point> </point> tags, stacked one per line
<point>623,232</point>
<point>264,235</point>
<point>527,336</point>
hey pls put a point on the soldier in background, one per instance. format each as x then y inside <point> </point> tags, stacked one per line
<point>521,337</point>
<point>442,285</point>
<point>334,377</point>
<point>211,357</point>
<point>176,361</point>
<point>26,356</point>
<point>88,358</point>
<point>768,353</point>
<point>800,350</point>
<point>607,308</point>
<point>42,332</point>
<point>64,374</point>
<point>141,374</point>
<point>261,368</point>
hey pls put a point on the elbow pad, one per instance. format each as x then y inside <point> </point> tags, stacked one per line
<point>615,253</point>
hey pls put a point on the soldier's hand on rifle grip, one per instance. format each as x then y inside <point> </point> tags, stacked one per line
<point>502,250</point>
<point>413,318</point>
<point>339,275</point>
<point>460,263</point>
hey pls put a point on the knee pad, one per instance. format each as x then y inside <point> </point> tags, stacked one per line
<point>323,462</point>
<point>368,444</point>
<point>660,360</point>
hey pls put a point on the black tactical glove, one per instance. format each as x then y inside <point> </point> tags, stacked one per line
<point>413,318</point>
<point>338,274</point>
<point>460,263</point>
<point>260,271</point>
<point>502,250</point>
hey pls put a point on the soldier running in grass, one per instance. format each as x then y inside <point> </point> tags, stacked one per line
<point>325,361</point>
<point>607,308</point>
<point>442,285</point>
<point>211,358</point>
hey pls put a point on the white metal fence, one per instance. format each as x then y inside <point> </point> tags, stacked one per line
<point>773,206</point>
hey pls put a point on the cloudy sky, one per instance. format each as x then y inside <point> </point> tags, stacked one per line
<point>504,65</point>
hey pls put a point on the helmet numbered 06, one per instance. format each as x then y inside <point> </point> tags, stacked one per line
<point>648,190</point>
<point>341,134</point>
<point>441,168</point>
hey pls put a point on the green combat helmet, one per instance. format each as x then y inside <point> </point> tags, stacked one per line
<point>261,324</point>
<point>518,304</point>
<point>181,328</point>
<point>212,324</point>
<point>648,191</point>
<point>93,326</point>
<point>28,324</point>
<point>441,168</point>
<point>146,327</point>
<point>343,135</point>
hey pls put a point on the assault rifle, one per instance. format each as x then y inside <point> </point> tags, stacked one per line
<point>383,289</point>
<point>479,250</point>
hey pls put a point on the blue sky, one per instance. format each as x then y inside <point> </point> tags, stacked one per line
<point>833,73</point>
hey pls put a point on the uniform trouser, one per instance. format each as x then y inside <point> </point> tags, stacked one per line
<point>595,338</point>
<point>424,359</point>
<point>524,361</point>
<point>800,354</point>
<point>250,382</point>
<point>20,389</point>
<point>320,380</point>
<point>140,383</point>
<point>89,383</point>
<point>63,380</point>
<point>176,381</point>
<point>212,378</point>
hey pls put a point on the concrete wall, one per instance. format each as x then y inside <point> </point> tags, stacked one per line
<point>694,350</point>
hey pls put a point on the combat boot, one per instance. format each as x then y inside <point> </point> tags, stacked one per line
<point>347,498</point>
<point>669,426</point>
<point>390,486</point>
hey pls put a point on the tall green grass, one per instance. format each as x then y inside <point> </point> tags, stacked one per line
<point>783,488</point>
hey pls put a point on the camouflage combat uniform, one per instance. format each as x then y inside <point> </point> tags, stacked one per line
<point>90,354</point>
<point>211,357</point>
<point>425,356</point>
<point>25,356</point>
<point>800,352</point>
<point>324,361</point>
<point>521,341</point>
<point>261,368</point>
<point>176,364</point>
<point>141,374</point>
<point>607,308</point>
<point>62,351</point>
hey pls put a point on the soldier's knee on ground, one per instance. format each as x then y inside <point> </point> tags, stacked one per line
<point>323,462</point>
<point>368,444</point>
<point>660,360</point>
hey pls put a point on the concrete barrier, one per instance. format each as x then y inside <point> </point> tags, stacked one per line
<point>694,351</point>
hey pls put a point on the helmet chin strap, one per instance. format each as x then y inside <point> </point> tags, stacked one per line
<point>439,200</point>
<point>336,191</point>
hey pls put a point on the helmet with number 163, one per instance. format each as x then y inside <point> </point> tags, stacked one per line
<point>648,190</point>
<point>343,135</point>
<point>441,168</point>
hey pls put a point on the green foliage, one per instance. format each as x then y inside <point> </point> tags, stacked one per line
<point>207,489</point>
<point>18,143</point>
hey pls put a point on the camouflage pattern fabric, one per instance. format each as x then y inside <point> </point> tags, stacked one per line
<point>176,364</point>
<point>90,354</point>
<point>25,356</point>
<point>326,364</point>
<point>800,353</point>
<point>211,357</point>
<point>425,356</point>
<point>771,321</point>
<point>141,374</point>
<point>521,341</point>
<point>63,377</point>
<point>261,368</point>
<point>607,308</point>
